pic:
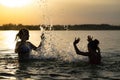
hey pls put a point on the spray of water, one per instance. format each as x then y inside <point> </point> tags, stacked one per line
<point>49,48</point>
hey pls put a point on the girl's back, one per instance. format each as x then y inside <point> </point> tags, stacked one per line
<point>23,50</point>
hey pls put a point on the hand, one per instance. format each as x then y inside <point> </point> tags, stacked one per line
<point>76,41</point>
<point>42,36</point>
<point>89,38</point>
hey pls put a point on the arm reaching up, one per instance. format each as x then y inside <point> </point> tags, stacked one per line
<point>42,39</point>
<point>76,41</point>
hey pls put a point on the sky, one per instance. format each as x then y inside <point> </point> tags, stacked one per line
<point>64,12</point>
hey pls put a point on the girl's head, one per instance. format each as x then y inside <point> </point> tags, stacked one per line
<point>96,42</point>
<point>23,34</point>
<point>93,45</point>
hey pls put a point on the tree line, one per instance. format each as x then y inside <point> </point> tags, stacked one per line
<point>61,27</point>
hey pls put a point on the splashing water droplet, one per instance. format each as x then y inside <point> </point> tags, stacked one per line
<point>49,47</point>
<point>42,30</point>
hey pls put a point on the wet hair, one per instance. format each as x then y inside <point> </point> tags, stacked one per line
<point>96,41</point>
<point>94,44</point>
<point>21,33</point>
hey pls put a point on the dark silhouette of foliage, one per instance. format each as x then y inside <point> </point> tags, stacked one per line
<point>11,26</point>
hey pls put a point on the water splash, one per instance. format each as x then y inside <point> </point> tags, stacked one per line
<point>42,30</point>
<point>49,49</point>
<point>45,19</point>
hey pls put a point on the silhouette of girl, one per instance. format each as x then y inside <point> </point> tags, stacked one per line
<point>24,47</point>
<point>93,53</point>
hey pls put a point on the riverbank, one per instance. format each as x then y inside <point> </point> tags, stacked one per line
<point>61,27</point>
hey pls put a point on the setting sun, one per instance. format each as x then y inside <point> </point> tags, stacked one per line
<point>15,3</point>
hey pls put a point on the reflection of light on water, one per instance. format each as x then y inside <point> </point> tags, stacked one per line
<point>9,39</point>
<point>8,68</point>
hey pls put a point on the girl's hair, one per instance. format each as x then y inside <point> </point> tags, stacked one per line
<point>21,33</point>
<point>94,44</point>
<point>96,41</point>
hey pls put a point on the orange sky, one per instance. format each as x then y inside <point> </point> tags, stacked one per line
<point>62,12</point>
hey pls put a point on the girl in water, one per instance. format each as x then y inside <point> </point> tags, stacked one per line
<point>93,53</point>
<point>24,47</point>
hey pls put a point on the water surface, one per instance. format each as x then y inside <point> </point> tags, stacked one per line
<point>58,60</point>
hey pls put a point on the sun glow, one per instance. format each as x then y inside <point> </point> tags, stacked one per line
<point>15,3</point>
<point>9,39</point>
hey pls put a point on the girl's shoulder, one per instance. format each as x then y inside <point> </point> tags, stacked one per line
<point>31,45</point>
<point>18,43</point>
<point>28,42</point>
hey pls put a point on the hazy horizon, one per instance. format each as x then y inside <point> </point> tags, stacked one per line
<point>62,12</point>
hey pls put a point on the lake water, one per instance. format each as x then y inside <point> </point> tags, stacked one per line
<point>58,60</point>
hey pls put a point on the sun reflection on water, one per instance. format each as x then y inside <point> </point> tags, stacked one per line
<point>9,39</point>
